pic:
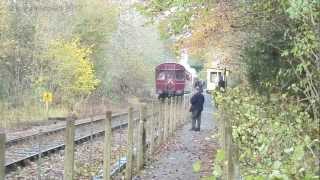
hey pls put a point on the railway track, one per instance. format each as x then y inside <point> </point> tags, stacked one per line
<point>21,149</point>
<point>14,138</point>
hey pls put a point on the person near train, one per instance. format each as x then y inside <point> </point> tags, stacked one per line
<point>196,101</point>
<point>221,84</point>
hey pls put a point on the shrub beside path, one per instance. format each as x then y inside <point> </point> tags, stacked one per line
<point>176,159</point>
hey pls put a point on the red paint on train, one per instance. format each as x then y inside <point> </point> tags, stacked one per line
<point>171,79</point>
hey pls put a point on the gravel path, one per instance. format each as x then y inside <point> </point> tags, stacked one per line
<point>175,159</point>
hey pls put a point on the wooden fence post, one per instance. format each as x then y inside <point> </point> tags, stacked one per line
<point>180,111</point>
<point>130,145</point>
<point>69,149</point>
<point>174,123</point>
<point>171,116</point>
<point>142,137</point>
<point>183,109</point>
<point>166,119</point>
<point>160,122</point>
<point>236,163</point>
<point>175,114</point>
<point>39,155</point>
<point>2,155</point>
<point>228,169</point>
<point>107,146</point>
<point>156,123</point>
<point>176,118</point>
<point>188,106</point>
<point>186,109</point>
<point>152,128</point>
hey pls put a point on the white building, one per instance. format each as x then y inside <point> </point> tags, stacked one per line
<point>214,74</point>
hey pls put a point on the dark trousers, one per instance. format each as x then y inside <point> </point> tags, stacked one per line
<point>196,119</point>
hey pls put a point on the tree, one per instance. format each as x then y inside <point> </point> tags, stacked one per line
<point>135,49</point>
<point>276,45</point>
<point>69,71</point>
<point>5,46</point>
<point>205,28</point>
<point>94,24</point>
<point>289,48</point>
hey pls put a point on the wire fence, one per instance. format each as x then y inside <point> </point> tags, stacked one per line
<point>117,147</point>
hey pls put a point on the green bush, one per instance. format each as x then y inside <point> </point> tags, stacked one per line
<point>277,138</point>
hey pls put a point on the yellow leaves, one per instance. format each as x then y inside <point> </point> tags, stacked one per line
<point>212,36</point>
<point>207,29</point>
<point>47,97</point>
<point>4,15</point>
<point>196,167</point>
<point>72,66</point>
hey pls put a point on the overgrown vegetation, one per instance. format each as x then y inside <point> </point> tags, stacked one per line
<point>203,27</point>
<point>290,49</point>
<point>69,71</point>
<point>274,47</point>
<point>45,49</point>
<point>80,51</point>
<point>277,138</point>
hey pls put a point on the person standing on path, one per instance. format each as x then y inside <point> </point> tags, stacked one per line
<point>197,101</point>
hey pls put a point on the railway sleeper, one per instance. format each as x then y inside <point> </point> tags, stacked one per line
<point>58,146</point>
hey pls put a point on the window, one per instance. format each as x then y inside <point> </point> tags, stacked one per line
<point>213,77</point>
<point>170,75</point>
<point>164,75</point>
<point>180,75</point>
<point>161,75</point>
<point>219,76</point>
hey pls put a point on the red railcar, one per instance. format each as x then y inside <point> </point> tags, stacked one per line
<point>171,79</point>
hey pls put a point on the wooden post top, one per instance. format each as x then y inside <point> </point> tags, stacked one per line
<point>108,112</point>
<point>2,131</point>
<point>143,112</point>
<point>72,117</point>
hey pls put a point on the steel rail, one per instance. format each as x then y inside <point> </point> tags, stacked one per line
<point>11,139</point>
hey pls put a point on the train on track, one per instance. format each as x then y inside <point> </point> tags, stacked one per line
<point>172,79</point>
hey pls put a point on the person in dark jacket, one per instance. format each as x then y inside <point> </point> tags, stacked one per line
<point>197,101</point>
<point>221,83</point>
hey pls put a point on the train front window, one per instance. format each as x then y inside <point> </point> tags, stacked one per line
<point>161,75</point>
<point>164,75</point>
<point>180,75</point>
<point>170,75</point>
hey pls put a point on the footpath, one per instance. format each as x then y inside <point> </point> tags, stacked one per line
<point>180,157</point>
